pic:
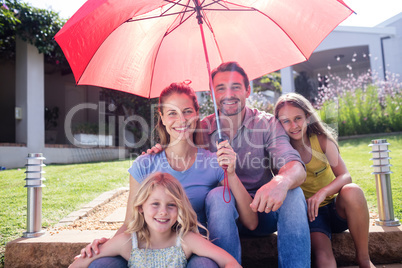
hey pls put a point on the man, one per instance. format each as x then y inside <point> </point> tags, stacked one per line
<point>261,146</point>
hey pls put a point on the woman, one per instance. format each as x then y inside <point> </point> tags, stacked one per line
<point>198,170</point>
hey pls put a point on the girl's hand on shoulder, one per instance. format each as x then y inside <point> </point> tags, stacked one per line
<point>226,156</point>
<point>313,204</point>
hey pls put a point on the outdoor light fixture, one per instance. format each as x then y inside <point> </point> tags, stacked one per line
<point>382,175</point>
<point>339,57</point>
<point>34,179</point>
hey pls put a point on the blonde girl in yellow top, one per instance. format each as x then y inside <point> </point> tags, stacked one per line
<point>334,203</point>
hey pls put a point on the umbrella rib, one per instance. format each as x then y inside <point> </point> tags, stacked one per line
<point>181,22</point>
<point>162,15</point>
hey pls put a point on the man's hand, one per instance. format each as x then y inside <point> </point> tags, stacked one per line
<point>270,196</point>
<point>154,150</point>
<point>92,248</point>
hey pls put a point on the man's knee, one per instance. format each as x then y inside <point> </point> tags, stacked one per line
<point>217,209</point>
<point>216,200</point>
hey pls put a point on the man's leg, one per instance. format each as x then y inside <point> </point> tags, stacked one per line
<point>222,217</point>
<point>294,247</point>
<point>115,262</point>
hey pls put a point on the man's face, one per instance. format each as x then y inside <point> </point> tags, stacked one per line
<point>230,92</point>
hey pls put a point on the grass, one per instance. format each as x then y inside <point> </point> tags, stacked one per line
<point>356,155</point>
<point>68,187</point>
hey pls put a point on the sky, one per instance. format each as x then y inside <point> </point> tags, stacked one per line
<point>368,12</point>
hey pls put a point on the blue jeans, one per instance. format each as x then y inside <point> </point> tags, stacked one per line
<point>115,262</point>
<point>290,220</point>
<point>119,262</point>
<point>222,222</point>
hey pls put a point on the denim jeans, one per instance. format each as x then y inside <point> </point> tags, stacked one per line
<point>115,262</point>
<point>290,220</point>
<point>119,262</point>
<point>222,222</point>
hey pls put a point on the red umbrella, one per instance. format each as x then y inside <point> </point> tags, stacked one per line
<point>140,46</point>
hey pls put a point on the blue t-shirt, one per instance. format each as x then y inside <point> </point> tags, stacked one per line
<point>197,181</point>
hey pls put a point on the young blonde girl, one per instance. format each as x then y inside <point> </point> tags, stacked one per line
<point>163,231</point>
<point>334,203</point>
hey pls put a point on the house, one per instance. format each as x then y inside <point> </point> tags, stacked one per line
<point>28,85</point>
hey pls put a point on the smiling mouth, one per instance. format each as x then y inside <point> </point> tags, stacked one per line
<point>230,102</point>
<point>295,132</point>
<point>162,220</point>
<point>181,128</point>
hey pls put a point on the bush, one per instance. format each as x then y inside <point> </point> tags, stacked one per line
<point>361,105</point>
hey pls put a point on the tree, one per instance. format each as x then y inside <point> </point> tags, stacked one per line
<point>33,25</point>
<point>270,81</point>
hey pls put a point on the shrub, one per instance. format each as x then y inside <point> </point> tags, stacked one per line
<point>361,105</point>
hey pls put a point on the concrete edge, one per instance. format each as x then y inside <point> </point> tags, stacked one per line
<point>85,210</point>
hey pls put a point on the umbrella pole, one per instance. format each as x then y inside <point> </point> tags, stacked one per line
<point>218,125</point>
<point>199,17</point>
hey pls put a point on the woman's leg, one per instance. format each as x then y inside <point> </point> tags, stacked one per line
<point>321,251</point>
<point>352,206</point>
<point>117,262</point>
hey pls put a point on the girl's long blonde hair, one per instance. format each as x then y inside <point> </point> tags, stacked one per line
<point>186,216</point>
<point>315,125</point>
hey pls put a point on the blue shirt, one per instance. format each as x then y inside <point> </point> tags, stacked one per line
<point>197,181</point>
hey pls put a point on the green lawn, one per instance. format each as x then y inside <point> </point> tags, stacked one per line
<point>356,154</point>
<point>68,187</point>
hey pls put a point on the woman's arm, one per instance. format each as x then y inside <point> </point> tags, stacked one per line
<point>118,245</point>
<point>196,244</point>
<point>226,156</point>
<point>342,176</point>
<point>134,186</point>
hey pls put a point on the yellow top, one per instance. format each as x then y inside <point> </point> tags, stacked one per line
<point>319,172</point>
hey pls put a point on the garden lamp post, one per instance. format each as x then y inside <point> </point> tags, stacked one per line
<point>383,182</point>
<point>34,186</point>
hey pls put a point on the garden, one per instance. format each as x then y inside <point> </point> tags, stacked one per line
<point>353,105</point>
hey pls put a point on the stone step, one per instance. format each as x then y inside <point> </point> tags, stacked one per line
<point>57,249</point>
<point>385,247</point>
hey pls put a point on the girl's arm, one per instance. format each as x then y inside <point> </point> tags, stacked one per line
<point>226,156</point>
<point>342,176</point>
<point>118,245</point>
<point>196,244</point>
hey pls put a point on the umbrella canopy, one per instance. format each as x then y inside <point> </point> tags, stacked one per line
<point>141,46</point>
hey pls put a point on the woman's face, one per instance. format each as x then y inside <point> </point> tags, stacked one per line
<point>179,117</point>
<point>294,121</point>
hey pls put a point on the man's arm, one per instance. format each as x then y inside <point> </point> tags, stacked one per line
<point>270,196</point>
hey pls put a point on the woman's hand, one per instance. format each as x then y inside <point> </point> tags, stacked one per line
<point>226,156</point>
<point>92,248</point>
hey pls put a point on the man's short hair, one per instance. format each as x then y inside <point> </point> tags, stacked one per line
<point>231,66</point>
